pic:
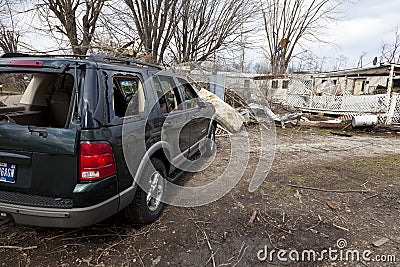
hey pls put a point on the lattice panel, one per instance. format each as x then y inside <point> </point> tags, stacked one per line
<point>300,95</point>
<point>299,87</point>
<point>396,114</point>
<point>365,103</point>
<point>297,101</point>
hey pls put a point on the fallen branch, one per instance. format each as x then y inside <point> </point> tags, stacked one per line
<point>61,235</point>
<point>140,258</point>
<point>330,190</point>
<point>108,248</point>
<point>252,218</point>
<point>341,228</point>
<point>368,197</point>
<point>212,257</point>
<point>211,250</point>
<point>242,252</point>
<point>18,248</point>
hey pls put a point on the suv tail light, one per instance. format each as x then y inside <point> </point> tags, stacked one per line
<point>96,161</point>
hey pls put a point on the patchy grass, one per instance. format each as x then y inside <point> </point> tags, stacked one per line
<point>343,175</point>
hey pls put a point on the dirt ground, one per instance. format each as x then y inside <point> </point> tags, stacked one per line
<point>321,188</point>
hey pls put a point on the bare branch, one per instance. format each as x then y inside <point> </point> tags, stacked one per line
<point>287,22</point>
<point>207,26</point>
<point>390,53</point>
<point>74,19</point>
<point>9,34</point>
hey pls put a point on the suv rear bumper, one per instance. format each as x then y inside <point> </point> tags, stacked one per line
<point>65,218</point>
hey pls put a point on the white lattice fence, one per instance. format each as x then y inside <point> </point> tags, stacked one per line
<point>326,102</point>
<point>394,110</point>
<point>300,95</point>
<point>365,103</point>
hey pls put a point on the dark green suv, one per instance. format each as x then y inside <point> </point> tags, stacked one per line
<point>64,124</point>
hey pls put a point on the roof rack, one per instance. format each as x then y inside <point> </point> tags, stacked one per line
<point>127,61</point>
<point>10,55</point>
<point>94,57</point>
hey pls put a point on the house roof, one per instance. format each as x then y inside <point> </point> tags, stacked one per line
<point>367,71</point>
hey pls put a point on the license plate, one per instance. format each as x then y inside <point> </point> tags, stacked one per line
<point>7,172</point>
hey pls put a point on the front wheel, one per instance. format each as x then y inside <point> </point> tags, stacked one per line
<point>147,206</point>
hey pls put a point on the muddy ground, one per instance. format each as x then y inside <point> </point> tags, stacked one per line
<point>321,188</point>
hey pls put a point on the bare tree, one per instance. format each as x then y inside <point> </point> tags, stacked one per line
<point>340,62</point>
<point>360,59</point>
<point>288,22</point>
<point>116,33</point>
<point>155,21</point>
<point>261,67</point>
<point>9,34</point>
<point>391,52</point>
<point>74,19</point>
<point>205,26</point>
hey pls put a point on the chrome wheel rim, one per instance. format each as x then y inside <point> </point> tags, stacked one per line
<point>212,140</point>
<point>155,191</point>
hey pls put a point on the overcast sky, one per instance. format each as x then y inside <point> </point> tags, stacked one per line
<point>365,25</point>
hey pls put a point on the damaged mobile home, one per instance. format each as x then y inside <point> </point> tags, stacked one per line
<point>367,91</point>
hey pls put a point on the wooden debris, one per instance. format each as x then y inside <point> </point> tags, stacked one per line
<point>322,124</point>
<point>347,126</point>
<point>345,134</point>
<point>212,257</point>
<point>329,190</point>
<point>380,242</point>
<point>156,261</point>
<point>18,248</point>
<point>298,196</point>
<point>252,218</point>
<point>341,228</point>
<point>333,205</point>
<point>368,197</point>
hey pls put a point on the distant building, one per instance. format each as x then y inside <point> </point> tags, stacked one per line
<point>217,79</point>
<point>365,81</point>
<point>372,90</point>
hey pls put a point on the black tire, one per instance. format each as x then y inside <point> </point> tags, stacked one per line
<point>141,211</point>
<point>210,145</point>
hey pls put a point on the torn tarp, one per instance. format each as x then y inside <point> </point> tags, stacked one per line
<point>226,116</point>
<point>263,112</point>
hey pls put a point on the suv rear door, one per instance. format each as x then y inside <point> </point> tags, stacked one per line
<point>199,115</point>
<point>40,159</point>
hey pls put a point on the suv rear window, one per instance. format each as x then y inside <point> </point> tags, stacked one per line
<point>37,99</point>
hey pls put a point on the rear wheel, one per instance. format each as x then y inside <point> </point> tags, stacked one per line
<point>147,206</point>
